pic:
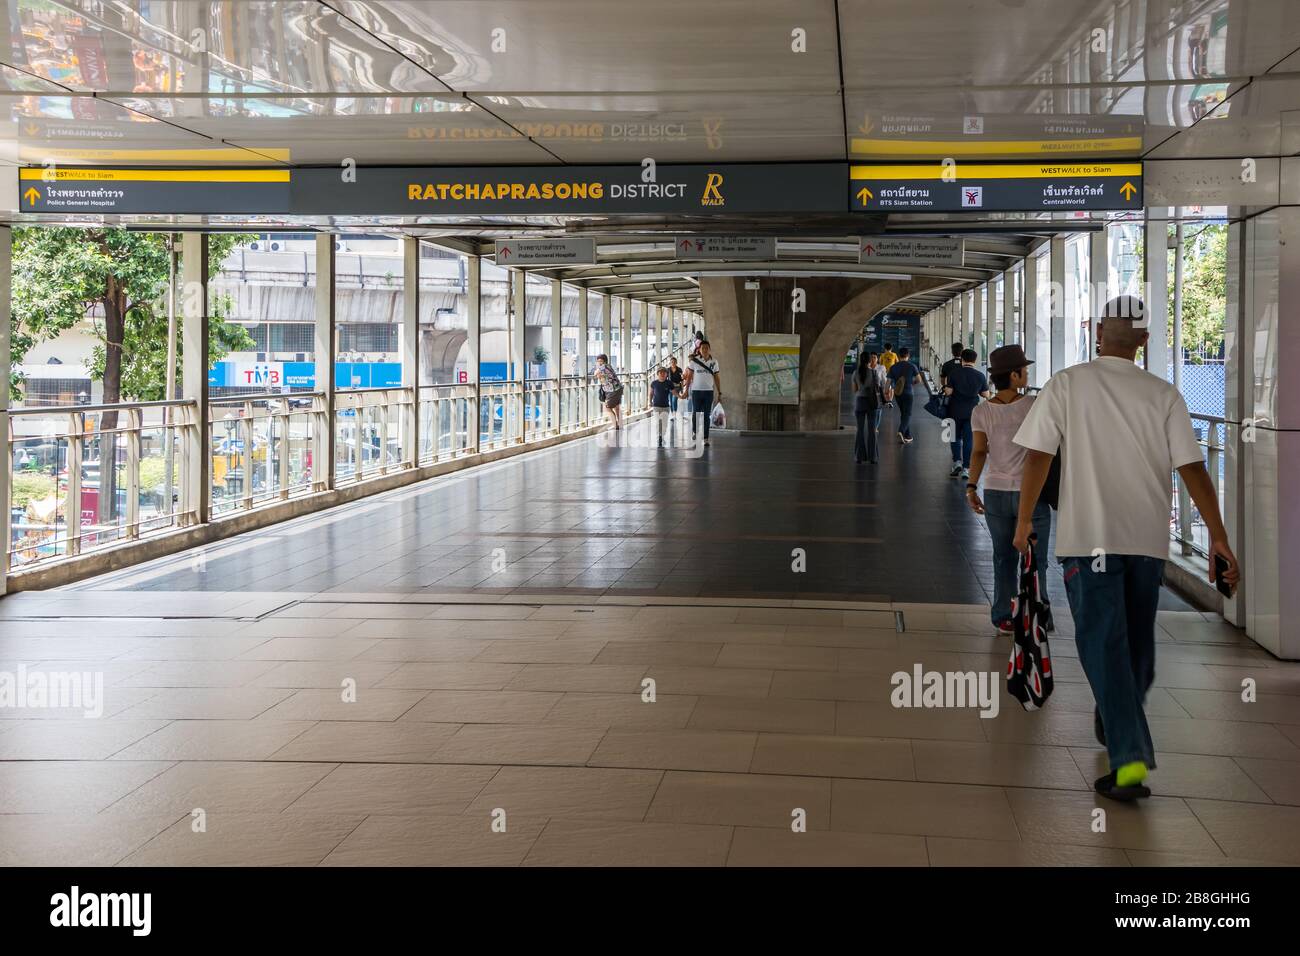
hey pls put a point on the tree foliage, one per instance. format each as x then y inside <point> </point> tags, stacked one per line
<point>60,276</point>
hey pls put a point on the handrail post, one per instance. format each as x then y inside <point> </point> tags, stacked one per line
<point>135,422</point>
<point>194,373</point>
<point>323,458</point>
<point>246,459</point>
<point>285,433</point>
<point>76,430</point>
<point>6,467</point>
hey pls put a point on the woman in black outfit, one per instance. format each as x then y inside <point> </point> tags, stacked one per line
<point>868,383</point>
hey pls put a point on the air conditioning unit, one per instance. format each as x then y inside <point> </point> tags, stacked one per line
<point>276,246</point>
<point>255,245</point>
<point>340,245</point>
<point>300,357</point>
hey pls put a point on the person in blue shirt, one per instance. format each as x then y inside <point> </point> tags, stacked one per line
<point>903,374</point>
<point>966,386</point>
<point>661,390</point>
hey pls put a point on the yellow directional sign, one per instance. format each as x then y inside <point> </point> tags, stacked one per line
<point>864,194</point>
<point>995,187</point>
<point>32,194</point>
<point>1128,189</point>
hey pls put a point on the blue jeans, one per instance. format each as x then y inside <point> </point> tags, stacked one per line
<point>866,445</point>
<point>904,400</point>
<point>962,442</point>
<point>1114,612</point>
<point>672,402</point>
<point>1001,510</point>
<point>701,404</point>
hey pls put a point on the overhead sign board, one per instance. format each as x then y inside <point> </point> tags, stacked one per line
<point>761,248</point>
<point>546,252</point>
<point>693,190</point>
<point>1013,187</point>
<point>918,136</point>
<point>71,189</point>
<point>895,250</point>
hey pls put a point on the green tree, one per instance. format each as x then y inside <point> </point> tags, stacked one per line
<point>1205,296</point>
<point>61,274</point>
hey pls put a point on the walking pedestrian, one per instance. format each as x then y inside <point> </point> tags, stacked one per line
<point>966,386</point>
<point>704,385</point>
<point>903,374</point>
<point>611,390</point>
<point>868,403</point>
<point>1121,432</point>
<point>660,392</point>
<point>999,461</point>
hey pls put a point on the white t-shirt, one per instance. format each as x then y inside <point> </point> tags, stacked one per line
<point>1006,459</point>
<point>702,380</point>
<point>1121,431</point>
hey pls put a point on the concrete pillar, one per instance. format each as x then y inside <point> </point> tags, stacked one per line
<point>1029,323</point>
<point>411,345</point>
<point>584,312</point>
<point>1098,282</point>
<point>641,308</point>
<point>1057,301</point>
<point>979,321</point>
<point>625,335</point>
<point>1010,309</point>
<point>323,341</point>
<point>6,299</point>
<point>516,371</point>
<point>607,325</point>
<point>473,317</point>
<point>1155,291</point>
<point>197,492</point>
<point>556,345</point>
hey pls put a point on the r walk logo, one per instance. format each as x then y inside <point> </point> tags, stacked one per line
<point>712,195</point>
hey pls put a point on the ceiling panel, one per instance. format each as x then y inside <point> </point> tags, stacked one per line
<point>432,130</point>
<point>681,127</point>
<point>611,45</point>
<point>196,46</point>
<point>1246,124</point>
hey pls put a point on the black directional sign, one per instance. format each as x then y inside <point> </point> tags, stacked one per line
<point>977,187</point>
<point>74,189</point>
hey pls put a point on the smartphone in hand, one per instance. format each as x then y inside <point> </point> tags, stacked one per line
<point>1220,569</point>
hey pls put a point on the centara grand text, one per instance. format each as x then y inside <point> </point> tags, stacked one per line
<point>525,191</point>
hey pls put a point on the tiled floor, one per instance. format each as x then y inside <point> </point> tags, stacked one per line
<point>517,731</point>
<point>639,677</point>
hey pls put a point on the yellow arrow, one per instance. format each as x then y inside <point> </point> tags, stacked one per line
<point>31,196</point>
<point>864,194</point>
<point>31,129</point>
<point>866,126</point>
<point>1128,189</point>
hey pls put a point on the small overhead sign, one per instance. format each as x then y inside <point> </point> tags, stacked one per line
<point>74,189</point>
<point>762,248</point>
<point>895,250</point>
<point>1005,187</point>
<point>546,252</point>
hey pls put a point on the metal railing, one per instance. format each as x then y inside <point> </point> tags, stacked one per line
<point>88,476</point>
<point>263,449</point>
<point>1185,524</point>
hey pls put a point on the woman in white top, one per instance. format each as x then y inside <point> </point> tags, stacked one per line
<point>704,385</point>
<point>999,461</point>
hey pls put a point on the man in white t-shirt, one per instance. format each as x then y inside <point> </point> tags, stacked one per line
<point>704,385</point>
<point>1121,432</point>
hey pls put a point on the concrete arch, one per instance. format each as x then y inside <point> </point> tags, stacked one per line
<point>819,386</point>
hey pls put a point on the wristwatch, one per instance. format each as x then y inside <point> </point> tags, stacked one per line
<point>971,486</point>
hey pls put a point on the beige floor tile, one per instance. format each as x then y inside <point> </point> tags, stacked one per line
<point>776,715</point>
<point>547,651</point>
<point>1280,779</point>
<point>323,674</point>
<point>694,615</point>
<point>1185,775</point>
<point>1228,705</point>
<point>735,799</point>
<point>800,616</point>
<point>877,718</point>
<point>299,627</point>
<point>199,674</point>
<point>726,751</point>
<point>606,678</point>
<point>885,663</point>
<point>520,745</point>
<point>434,649</point>
<point>486,612</point>
<point>1250,830</point>
<point>997,765</point>
<point>833,756</point>
<point>394,789</point>
<point>1281,679</point>
<point>1226,738</point>
<point>951,851</point>
<point>778,657</point>
<point>722,681</point>
<point>583,614</point>
<point>207,703</point>
<point>431,630</point>
<point>585,793</point>
<point>1194,675</point>
<point>1059,817</point>
<point>851,637</point>
<point>454,676</point>
<point>189,648</point>
<point>810,685</point>
<point>78,739</point>
<point>659,652</point>
<point>1078,699</point>
<point>1197,860</point>
<point>75,839</point>
<point>922,809</point>
<point>367,741</point>
<point>370,703</point>
<point>1042,728</point>
<point>309,649</point>
<point>214,740</point>
<point>65,786</point>
<point>597,843</point>
<point>485,706</point>
<point>424,840</point>
<point>247,839</point>
<point>221,786</point>
<point>622,711</point>
<point>761,846</point>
